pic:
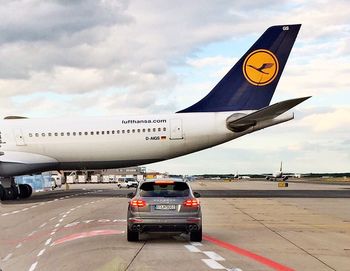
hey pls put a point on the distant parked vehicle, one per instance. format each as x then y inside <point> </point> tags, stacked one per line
<point>127,182</point>
<point>56,181</point>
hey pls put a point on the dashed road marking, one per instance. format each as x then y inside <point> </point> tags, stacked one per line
<point>214,264</point>
<point>192,248</point>
<point>19,245</point>
<point>7,257</point>
<point>196,244</point>
<point>53,218</point>
<point>48,241</point>
<point>32,233</point>
<point>33,266</point>
<point>43,225</point>
<point>41,252</point>
<point>214,256</point>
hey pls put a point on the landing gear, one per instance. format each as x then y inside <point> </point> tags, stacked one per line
<point>25,191</point>
<point>9,190</point>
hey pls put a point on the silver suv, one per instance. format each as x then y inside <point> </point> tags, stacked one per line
<point>164,206</point>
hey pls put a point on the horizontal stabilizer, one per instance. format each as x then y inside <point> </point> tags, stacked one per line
<point>239,123</point>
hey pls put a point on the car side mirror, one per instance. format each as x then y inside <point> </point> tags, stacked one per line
<point>130,195</point>
<point>196,195</point>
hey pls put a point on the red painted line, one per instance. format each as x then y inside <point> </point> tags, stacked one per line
<point>246,253</point>
<point>85,235</point>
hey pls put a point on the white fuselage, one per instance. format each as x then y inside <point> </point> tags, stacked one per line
<point>105,142</point>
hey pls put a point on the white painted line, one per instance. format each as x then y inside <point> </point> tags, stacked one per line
<point>43,225</point>
<point>60,220</point>
<point>213,264</point>
<point>42,203</point>
<point>34,206</point>
<point>52,218</point>
<point>64,216</point>
<point>25,209</point>
<point>213,255</point>
<point>57,225</point>
<point>15,212</point>
<point>5,214</point>
<point>52,233</point>
<point>55,200</point>
<point>19,245</point>
<point>32,268</point>
<point>48,241</point>
<point>192,248</point>
<point>32,233</point>
<point>41,252</point>
<point>7,257</point>
<point>196,244</point>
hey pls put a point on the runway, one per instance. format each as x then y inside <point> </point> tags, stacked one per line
<point>247,225</point>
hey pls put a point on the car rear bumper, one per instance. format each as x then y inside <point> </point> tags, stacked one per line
<point>188,224</point>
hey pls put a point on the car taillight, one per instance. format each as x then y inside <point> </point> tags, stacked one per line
<point>138,203</point>
<point>191,203</point>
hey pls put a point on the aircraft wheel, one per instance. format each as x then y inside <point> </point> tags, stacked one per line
<point>25,191</point>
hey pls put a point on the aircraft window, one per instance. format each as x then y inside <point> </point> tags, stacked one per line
<point>43,134</point>
<point>36,134</point>
<point>86,133</point>
<point>112,132</point>
<point>133,130</point>
<point>80,133</point>
<point>123,131</point>
<point>143,130</point>
<point>107,132</point>
<point>128,131</point>
<point>138,130</point>
<point>91,133</point>
<point>56,134</point>
<point>164,129</point>
<point>97,133</point>
<point>118,131</point>
<point>103,132</point>
<point>149,129</point>
<point>68,134</point>
<point>74,133</point>
<point>154,129</point>
<point>30,135</point>
<point>49,134</point>
<point>159,129</point>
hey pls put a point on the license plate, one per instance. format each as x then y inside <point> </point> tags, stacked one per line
<point>165,207</point>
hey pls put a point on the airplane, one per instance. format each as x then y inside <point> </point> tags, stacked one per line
<point>277,175</point>
<point>238,105</point>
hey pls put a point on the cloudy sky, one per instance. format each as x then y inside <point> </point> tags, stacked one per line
<point>89,57</point>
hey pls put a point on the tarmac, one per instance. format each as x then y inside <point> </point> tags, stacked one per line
<point>247,225</point>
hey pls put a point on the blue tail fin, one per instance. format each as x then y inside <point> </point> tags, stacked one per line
<point>250,84</point>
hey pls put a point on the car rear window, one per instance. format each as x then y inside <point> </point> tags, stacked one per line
<point>176,189</point>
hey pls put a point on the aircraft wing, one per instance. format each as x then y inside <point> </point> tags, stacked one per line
<point>239,122</point>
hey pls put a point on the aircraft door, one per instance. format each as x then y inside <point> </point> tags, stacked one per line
<point>19,137</point>
<point>176,131</point>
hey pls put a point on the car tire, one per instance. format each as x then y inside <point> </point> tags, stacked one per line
<point>196,236</point>
<point>132,236</point>
<point>2,193</point>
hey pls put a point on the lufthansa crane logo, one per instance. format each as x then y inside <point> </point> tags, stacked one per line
<point>260,67</point>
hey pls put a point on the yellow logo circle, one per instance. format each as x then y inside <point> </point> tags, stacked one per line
<point>260,67</point>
